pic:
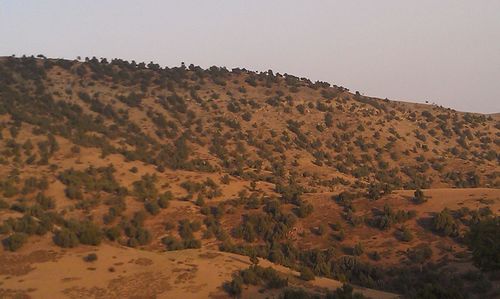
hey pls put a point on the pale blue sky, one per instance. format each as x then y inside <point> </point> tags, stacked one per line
<point>445,51</point>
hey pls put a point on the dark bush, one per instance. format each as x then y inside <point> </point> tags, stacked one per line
<point>152,207</point>
<point>484,241</point>
<point>66,238</point>
<point>235,286</point>
<point>89,234</point>
<point>15,241</point>
<point>91,257</point>
<point>445,224</point>
<point>306,274</point>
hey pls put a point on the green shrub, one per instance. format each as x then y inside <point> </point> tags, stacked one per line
<point>143,236</point>
<point>418,197</point>
<point>484,241</point>
<point>293,293</point>
<point>163,202</point>
<point>358,249</point>
<point>375,256</point>
<point>113,233</point>
<point>235,286</point>
<point>445,224</point>
<point>191,243</point>
<point>66,238</point>
<point>419,254</point>
<point>172,243</point>
<point>306,274</point>
<point>89,234</point>
<point>152,207</point>
<point>345,292</point>
<point>145,188</point>
<point>91,257</point>
<point>405,234</point>
<point>15,241</point>
<point>3,204</point>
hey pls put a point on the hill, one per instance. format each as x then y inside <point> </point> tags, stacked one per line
<point>368,191</point>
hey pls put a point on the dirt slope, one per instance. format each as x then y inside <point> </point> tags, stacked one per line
<point>121,272</point>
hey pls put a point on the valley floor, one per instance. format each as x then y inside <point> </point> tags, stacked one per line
<point>121,272</point>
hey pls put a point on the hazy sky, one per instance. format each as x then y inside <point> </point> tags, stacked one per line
<point>443,51</point>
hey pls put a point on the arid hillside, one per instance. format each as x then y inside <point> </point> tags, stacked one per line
<point>97,156</point>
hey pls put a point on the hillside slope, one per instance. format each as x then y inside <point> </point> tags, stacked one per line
<point>302,173</point>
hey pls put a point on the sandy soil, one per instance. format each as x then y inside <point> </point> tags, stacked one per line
<point>121,272</point>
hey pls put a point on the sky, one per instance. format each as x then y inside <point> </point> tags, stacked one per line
<point>446,52</point>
